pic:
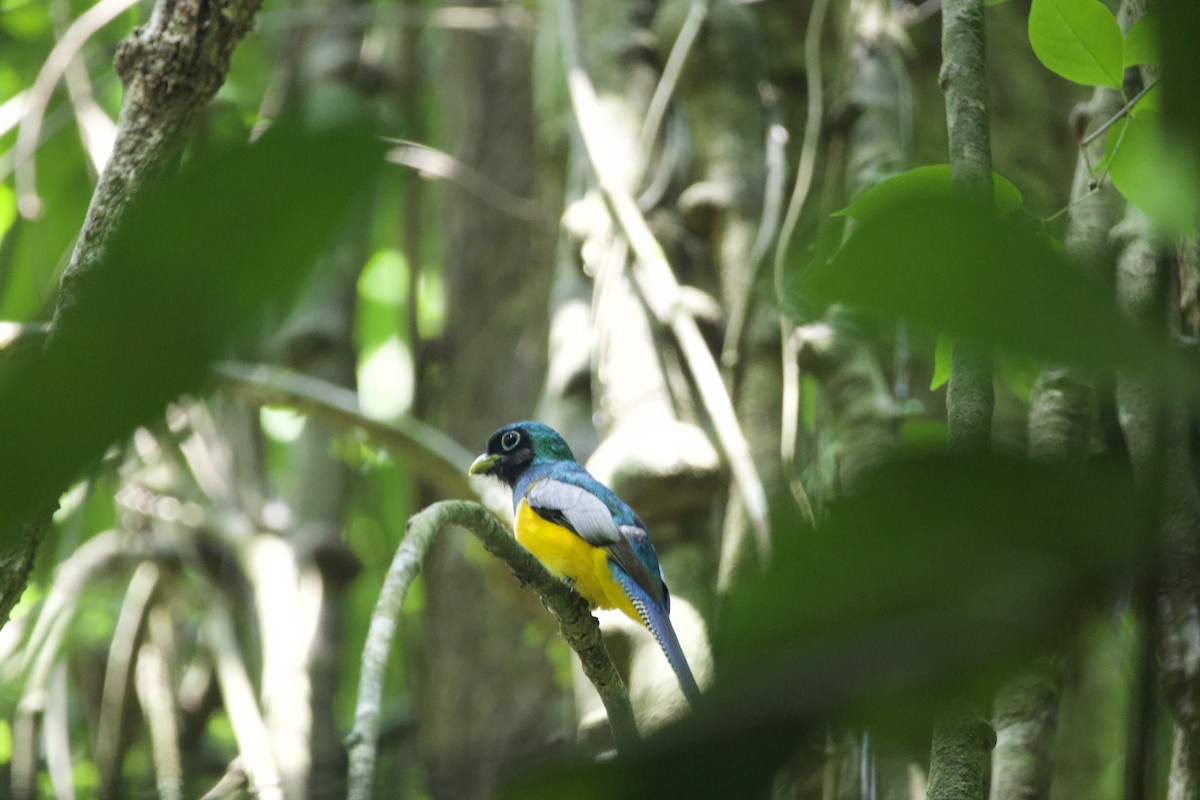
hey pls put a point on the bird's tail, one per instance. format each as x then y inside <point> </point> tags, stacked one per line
<point>658,621</point>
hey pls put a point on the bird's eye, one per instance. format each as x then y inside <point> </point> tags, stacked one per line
<point>510,440</point>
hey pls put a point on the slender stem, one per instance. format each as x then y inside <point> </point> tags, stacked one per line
<point>439,459</point>
<point>813,122</point>
<point>576,623</point>
<point>241,705</point>
<point>657,109</point>
<point>1117,117</point>
<point>969,399</point>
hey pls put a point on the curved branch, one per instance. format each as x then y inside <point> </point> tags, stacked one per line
<point>576,623</point>
<point>430,161</point>
<point>813,122</point>
<point>657,109</point>
<point>241,704</point>
<point>440,460</point>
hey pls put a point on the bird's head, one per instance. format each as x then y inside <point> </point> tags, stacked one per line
<point>516,447</point>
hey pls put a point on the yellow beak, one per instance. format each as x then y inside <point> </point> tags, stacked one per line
<point>483,465</point>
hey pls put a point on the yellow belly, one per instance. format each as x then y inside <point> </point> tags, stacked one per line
<point>569,556</point>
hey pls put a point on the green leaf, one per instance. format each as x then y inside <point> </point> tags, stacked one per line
<point>1079,40</point>
<point>1141,43</point>
<point>196,261</point>
<point>1157,178</point>
<point>994,2</point>
<point>925,183</point>
<point>956,268</point>
<point>941,362</point>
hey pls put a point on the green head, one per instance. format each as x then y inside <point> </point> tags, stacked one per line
<point>516,447</point>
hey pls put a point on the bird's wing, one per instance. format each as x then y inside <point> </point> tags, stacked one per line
<point>574,508</point>
<point>626,554</point>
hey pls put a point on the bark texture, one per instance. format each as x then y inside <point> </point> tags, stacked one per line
<point>1157,433</point>
<point>1025,718</point>
<point>969,396</point>
<point>959,757</point>
<point>960,748</point>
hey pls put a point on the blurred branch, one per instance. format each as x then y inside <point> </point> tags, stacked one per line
<point>16,337</point>
<point>805,168</point>
<point>430,161</point>
<point>660,289</point>
<point>241,705</point>
<point>437,458</point>
<point>231,785</point>
<point>118,678</point>
<point>56,735</point>
<point>812,136</point>
<point>661,99</point>
<point>157,696</point>
<point>57,63</point>
<point>768,226</point>
<point>576,623</point>
<point>97,131</point>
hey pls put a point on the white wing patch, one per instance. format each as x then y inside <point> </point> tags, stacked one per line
<point>578,508</point>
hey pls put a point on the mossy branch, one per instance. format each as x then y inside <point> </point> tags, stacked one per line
<point>961,746</point>
<point>575,621</point>
<point>969,396</point>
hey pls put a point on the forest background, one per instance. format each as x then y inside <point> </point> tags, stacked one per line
<point>889,335</point>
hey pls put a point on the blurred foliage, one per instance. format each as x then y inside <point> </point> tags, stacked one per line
<point>191,267</point>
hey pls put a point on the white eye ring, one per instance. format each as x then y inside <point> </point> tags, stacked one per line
<point>510,440</point>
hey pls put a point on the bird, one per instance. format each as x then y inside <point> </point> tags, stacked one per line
<point>583,533</point>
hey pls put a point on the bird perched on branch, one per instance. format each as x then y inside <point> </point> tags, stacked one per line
<point>581,531</point>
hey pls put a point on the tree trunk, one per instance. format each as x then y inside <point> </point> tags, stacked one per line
<point>960,749</point>
<point>487,692</point>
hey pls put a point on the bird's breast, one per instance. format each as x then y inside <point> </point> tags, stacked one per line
<point>568,555</point>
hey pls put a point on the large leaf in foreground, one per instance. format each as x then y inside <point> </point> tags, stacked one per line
<point>959,269</point>
<point>193,264</point>
<point>936,580</point>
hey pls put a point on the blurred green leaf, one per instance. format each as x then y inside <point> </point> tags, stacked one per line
<point>1141,43</point>
<point>1157,178</point>
<point>936,579</point>
<point>956,268</point>
<point>925,183</point>
<point>195,262</point>
<point>1079,40</point>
